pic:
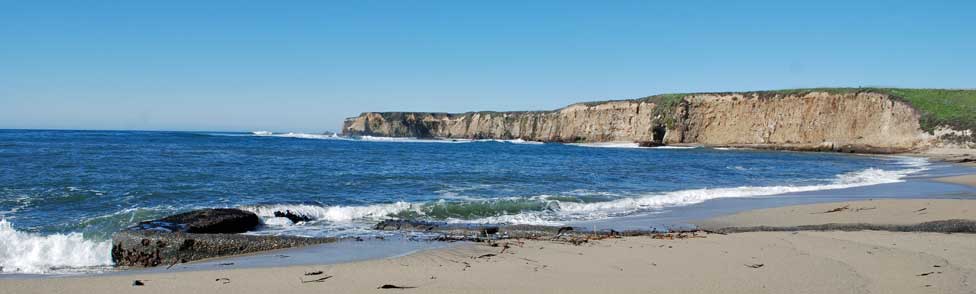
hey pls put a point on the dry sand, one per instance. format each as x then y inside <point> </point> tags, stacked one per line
<point>759,262</point>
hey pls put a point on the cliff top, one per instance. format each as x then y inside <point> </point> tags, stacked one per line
<point>950,107</point>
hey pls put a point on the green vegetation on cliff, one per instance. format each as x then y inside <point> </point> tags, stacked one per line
<point>955,108</point>
<point>938,107</point>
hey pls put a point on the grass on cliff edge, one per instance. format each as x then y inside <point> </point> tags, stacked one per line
<point>954,108</point>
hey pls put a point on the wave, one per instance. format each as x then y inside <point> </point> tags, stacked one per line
<point>513,141</point>
<point>443,140</point>
<point>386,139</point>
<point>867,177</point>
<point>607,145</point>
<point>555,210</point>
<point>674,147</point>
<point>331,213</point>
<point>298,135</point>
<point>22,252</point>
<point>410,140</point>
<point>626,145</point>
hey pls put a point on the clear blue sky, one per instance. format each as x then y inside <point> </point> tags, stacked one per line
<point>304,66</point>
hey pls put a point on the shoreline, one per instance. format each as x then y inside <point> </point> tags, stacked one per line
<point>750,262</point>
<point>965,179</point>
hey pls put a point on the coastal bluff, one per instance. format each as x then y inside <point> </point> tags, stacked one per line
<point>842,120</point>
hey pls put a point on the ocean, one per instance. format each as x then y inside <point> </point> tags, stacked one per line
<point>63,193</point>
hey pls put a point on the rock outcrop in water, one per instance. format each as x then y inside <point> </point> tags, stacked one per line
<point>855,121</point>
<point>208,221</point>
<point>195,235</point>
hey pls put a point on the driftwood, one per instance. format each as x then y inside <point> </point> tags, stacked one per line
<point>389,286</point>
<point>839,209</point>
<point>319,280</point>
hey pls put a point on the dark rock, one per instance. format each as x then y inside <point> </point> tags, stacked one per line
<point>649,143</point>
<point>472,231</point>
<point>211,221</point>
<point>405,225</point>
<point>195,235</point>
<point>293,217</point>
<point>490,230</point>
<point>148,248</point>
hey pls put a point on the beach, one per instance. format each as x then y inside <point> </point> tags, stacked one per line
<point>750,262</point>
<point>463,147</point>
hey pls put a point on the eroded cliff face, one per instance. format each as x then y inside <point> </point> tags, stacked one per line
<point>611,121</point>
<point>851,122</point>
<point>867,122</point>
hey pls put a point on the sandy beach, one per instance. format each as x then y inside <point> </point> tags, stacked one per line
<point>753,262</point>
<point>179,147</point>
<point>962,180</point>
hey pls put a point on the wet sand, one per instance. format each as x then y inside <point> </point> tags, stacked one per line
<point>755,262</point>
<point>884,211</point>
<point>969,180</point>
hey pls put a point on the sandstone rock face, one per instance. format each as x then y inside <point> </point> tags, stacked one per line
<point>866,122</point>
<point>816,121</point>
<point>610,121</point>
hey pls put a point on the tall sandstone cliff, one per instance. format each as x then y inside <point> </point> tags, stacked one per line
<point>850,122</point>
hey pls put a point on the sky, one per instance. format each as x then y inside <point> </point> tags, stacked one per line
<point>304,66</point>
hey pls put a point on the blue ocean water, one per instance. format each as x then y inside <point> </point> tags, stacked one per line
<point>62,193</point>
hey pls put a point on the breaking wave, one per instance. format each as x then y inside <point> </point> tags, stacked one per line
<point>551,210</point>
<point>22,252</point>
<point>626,145</point>
<point>384,139</point>
<point>607,145</point>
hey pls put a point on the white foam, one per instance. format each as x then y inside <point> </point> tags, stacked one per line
<point>560,212</point>
<point>309,136</point>
<point>32,253</point>
<point>386,139</point>
<point>607,145</point>
<point>514,141</point>
<point>674,147</point>
<point>731,148</point>
<point>528,218</point>
<point>332,213</point>
<point>867,177</point>
<point>412,140</point>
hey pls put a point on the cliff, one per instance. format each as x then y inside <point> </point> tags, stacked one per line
<point>848,120</point>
